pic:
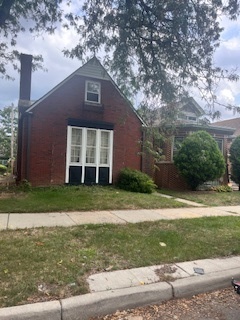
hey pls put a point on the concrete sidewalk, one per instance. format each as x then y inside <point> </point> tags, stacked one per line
<point>124,289</point>
<point>68,219</point>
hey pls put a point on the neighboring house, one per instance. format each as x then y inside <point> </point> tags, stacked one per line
<point>83,131</point>
<point>189,120</point>
<point>234,123</point>
<point>190,112</point>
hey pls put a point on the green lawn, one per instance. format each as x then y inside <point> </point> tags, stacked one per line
<point>79,198</point>
<point>209,198</point>
<point>52,263</point>
<point>83,198</point>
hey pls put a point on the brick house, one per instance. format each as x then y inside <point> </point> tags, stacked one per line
<point>83,131</point>
<point>190,119</point>
<point>233,123</point>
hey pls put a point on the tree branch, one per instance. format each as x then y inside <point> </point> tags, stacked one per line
<point>5,11</point>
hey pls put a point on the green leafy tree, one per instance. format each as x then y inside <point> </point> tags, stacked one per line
<point>199,159</point>
<point>160,120</point>
<point>40,17</point>
<point>8,127</point>
<point>159,47</point>
<point>235,161</point>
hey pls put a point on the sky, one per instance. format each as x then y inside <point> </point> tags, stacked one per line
<point>59,67</point>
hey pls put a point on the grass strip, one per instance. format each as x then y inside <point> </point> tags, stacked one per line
<point>79,198</point>
<point>208,198</point>
<point>51,263</point>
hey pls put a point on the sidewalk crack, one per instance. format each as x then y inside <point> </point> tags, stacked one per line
<point>61,309</point>
<point>66,213</point>
<point>8,221</point>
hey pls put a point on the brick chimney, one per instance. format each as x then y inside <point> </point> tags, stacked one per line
<point>24,118</point>
<point>25,80</point>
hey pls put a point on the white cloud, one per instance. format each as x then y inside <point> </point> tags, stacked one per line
<point>226,96</point>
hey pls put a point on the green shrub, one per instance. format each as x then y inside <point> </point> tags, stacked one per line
<point>25,185</point>
<point>222,189</point>
<point>199,159</point>
<point>135,181</point>
<point>3,169</point>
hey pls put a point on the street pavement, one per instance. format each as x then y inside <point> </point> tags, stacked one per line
<point>123,289</point>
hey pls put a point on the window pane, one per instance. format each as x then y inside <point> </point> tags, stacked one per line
<point>92,97</point>
<point>93,87</point>
<point>105,139</point>
<point>91,138</point>
<point>192,118</point>
<point>76,136</point>
<point>104,148</point>
<point>90,155</point>
<point>219,143</point>
<point>91,146</point>
<point>104,156</point>
<point>76,146</point>
<point>76,154</point>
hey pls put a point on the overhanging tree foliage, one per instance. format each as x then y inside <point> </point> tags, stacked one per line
<point>160,127</point>
<point>199,159</point>
<point>16,16</point>
<point>235,161</point>
<point>159,47</point>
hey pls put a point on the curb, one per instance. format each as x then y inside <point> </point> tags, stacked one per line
<point>101,303</point>
<point>38,311</point>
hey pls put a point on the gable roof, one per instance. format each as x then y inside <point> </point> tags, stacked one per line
<point>191,102</point>
<point>230,123</point>
<point>94,69</point>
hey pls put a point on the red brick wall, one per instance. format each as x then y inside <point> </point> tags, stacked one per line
<point>168,177</point>
<point>47,162</point>
<point>22,145</point>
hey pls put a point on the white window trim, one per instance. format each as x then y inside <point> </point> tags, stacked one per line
<point>84,149</point>
<point>86,91</point>
<point>68,153</point>
<point>222,143</point>
<point>83,163</point>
